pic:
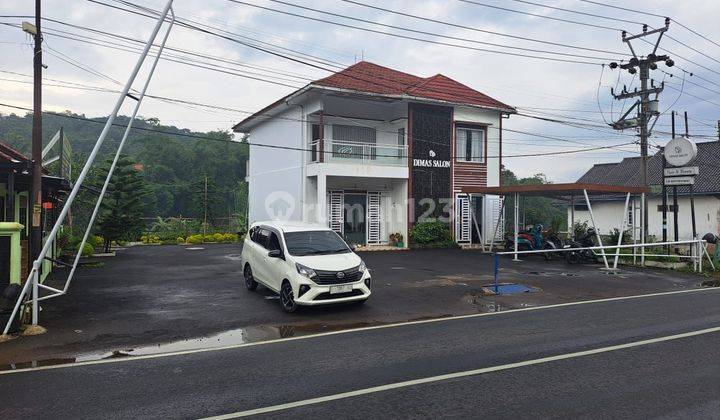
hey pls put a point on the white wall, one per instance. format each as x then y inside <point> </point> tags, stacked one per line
<point>707,216</point>
<point>275,173</point>
<point>490,118</point>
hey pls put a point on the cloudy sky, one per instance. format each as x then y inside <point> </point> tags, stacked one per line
<point>552,89</point>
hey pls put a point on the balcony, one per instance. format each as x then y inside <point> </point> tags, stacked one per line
<point>340,151</point>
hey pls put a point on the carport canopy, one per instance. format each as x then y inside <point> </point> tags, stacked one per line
<point>564,190</point>
<point>554,190</point>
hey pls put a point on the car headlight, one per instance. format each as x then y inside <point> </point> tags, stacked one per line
<point>305,271</point>
<point>362,267</point>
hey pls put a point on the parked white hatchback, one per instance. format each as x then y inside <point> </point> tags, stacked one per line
<point>305,264</point>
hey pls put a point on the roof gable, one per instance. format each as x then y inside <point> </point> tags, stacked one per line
<point>372,78</point>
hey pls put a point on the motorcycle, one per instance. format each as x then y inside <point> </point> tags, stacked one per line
<point>533,239</point>
<point>583,255</point>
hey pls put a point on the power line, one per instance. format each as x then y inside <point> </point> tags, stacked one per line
<point>470,28</point>
<point>447,44</point>
<point>301,149</point>
<point>537,15</point>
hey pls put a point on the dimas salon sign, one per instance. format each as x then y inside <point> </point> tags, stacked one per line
<point>431,163</point>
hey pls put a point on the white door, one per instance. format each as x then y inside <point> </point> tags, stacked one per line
<point>373,218</point>
<point>463,219</point>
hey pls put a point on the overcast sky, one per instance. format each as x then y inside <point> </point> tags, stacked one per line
<point>556,89</point>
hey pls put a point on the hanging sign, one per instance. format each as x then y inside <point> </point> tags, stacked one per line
<point>680,180</point>
<point>682,171</point>
<point>680,151</point>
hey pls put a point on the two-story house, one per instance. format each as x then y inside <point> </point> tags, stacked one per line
<point>371,150</point>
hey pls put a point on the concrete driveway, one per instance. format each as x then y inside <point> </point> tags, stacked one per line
<point>163,298</point>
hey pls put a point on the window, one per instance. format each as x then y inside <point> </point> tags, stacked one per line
<point>401,142</point>
<point>273,242</point>
<point>470,145</point>
<point>261,237</point>
<point>315,243</point>
<point>316,135</point>
<point>349,140</point>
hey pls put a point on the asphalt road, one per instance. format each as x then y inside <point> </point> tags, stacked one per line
<point>177,296</point>
<point>672,376</point>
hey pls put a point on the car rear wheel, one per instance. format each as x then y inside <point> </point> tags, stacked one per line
<point>250,282</point>
<point>287,299</point>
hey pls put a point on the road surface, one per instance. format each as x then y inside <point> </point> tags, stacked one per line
<point>648,356</point>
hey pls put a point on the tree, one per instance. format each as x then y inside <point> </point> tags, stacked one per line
<point>533,210</point>
<point>122,208</point>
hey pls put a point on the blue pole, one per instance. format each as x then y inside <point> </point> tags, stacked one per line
<point>496,259</point>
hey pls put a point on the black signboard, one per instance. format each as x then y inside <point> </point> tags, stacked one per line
<point>431,173</point>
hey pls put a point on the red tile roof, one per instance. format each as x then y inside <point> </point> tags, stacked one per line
<point>372,78</point>
<point>366,77</point>
<point>10,154</point>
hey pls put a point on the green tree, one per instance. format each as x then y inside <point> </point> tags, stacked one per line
<point>122,208</point>
<point>533,210</point>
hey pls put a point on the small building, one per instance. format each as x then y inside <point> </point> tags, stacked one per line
<point>370,151</point>
<point>15,186</point>
<point>608,209</point>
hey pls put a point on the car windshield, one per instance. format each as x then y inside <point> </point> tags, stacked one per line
<point>315,242</point>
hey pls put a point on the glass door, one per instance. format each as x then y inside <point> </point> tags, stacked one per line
<point>355,225</point>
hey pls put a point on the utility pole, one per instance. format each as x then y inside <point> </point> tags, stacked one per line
<point>645,107</point>
<point>36,190</point>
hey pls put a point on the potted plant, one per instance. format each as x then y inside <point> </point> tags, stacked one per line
<point>393,240</point>
<point>399,240</point>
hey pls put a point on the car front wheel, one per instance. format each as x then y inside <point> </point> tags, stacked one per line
<point>287,299</point>
<point>250,282</point>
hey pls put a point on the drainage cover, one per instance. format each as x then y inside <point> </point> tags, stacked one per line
<point>509,288</point>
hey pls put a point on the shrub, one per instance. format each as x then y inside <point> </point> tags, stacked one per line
<point>218,237</point>
<point>180,240</point>
<point>87,250</point>
<point>195,239</point>
<point>435,232</point>
<point>95,241</point>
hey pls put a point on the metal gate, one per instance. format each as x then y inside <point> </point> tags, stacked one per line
<point>373,218</point>
<point>462,219</point>
<point>335,209</point>
<point>494,218</point>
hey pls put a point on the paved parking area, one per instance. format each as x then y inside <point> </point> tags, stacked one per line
<point>149,295</point>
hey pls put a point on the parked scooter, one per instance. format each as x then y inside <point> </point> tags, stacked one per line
<point>532,240</point>
<point>584,255</point>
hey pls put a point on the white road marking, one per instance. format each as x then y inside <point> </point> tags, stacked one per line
<point>353,330</point>
<point>474,372</point>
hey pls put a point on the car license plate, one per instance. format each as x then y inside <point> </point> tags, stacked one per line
<point>343,288</point>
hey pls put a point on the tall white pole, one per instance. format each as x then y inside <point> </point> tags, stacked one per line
<point>111,171</point>
<point>621,231</point>
<point>89,162</point>
<point>597,232</point>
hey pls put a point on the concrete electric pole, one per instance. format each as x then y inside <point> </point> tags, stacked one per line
<point>36,190</point>
<point>644,107</point>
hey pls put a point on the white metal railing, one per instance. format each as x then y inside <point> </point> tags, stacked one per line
<point>340,151</point>
<point>698,250</point>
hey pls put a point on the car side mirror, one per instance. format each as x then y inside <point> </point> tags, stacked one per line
<point>275,253</point>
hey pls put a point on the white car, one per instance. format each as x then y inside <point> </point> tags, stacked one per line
<point>305,264</point>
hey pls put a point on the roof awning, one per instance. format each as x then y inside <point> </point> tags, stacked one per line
<point>550,190</point>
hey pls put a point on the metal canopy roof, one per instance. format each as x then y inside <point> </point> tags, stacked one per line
<point>574,188</point>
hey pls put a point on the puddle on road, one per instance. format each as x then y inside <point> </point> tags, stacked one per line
<point>234,257</point>
<point>551,274</point>
<point>224,339</point>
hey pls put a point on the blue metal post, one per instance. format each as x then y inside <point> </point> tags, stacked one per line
<point>496,259</point>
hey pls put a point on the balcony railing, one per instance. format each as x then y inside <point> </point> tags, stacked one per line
<point>338,151</point>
